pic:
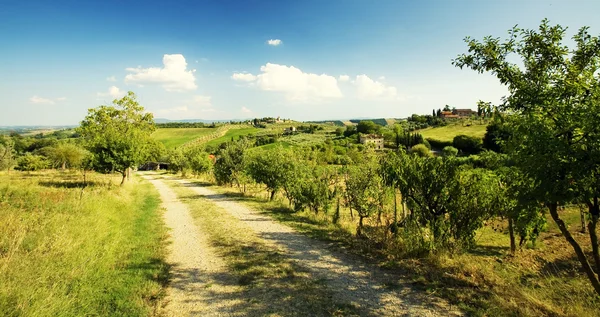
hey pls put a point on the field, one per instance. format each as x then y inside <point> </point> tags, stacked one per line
<point>447,133</point>
<point>174,137</point>
<point>66,250</point>
<point>233,134</point>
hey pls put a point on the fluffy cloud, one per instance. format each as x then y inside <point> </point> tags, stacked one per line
<point>274,42</point>
<point>294,83</point>
<point>344,78</point>
<point>40,100</point>
<point>113,92</point>
<point>367,88</point>
<point>243,77</point>
<point>246,110</point>
<point>174,76</point>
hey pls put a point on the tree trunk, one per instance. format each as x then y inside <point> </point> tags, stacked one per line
<point>272,195</point>
<point>124,173</point>
<point>594,239</point>
<point>511,231</point>
<point>395,225</point>
<point>360,225</point>
<point>582,216</point>
<point>351,214</point>
<point>578,251</point>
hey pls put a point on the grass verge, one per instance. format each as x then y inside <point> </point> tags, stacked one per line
<point>68,251</point>
<point>273,285</point>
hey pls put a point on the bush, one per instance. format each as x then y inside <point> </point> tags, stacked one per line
<point>449,151</point>
<point>467,144</point>
<point>420,150</point>
<point>31,162</point>
<point>437,144</point>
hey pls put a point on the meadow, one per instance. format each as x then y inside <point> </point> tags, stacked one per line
<point>74,249</point>
<point>447,133</point>
<point>174,137</point>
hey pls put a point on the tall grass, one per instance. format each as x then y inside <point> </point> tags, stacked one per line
<point>68,251</point>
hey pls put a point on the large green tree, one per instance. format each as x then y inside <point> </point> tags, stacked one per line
<point>118,136</point>
<point>7,153</point>
<point>554,92</point>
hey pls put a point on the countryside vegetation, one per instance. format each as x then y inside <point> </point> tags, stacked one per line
<point>495,214</point>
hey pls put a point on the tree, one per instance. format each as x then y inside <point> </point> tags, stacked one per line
<point>364,191</point>
<point>497,133</point>
<point>555,98</point>
<point>368,127</point>
<point>420,150</point>
<point>467,144</point>
<point>65,154</point>
<point>7,153</point>
<point>449,151</point>
<point>231,163</point>
<point>118,136</point>
<point>270,168</point>
<point>31,162</point>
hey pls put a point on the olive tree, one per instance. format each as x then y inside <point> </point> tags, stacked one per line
<point>554,94</point>
<point>118,136</point>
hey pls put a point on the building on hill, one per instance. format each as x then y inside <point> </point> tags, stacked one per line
<point>290,130</point>
<point>465,113</point>
<point>449,115</point>
<point>372,140</point>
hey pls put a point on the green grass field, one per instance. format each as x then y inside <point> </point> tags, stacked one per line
<point>65,251</point>
<point>233,133</point>
<point>174,137</point>
<point>447,133</point>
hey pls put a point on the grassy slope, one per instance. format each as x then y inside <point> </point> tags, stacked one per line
<point>68,252</point>
<point>447,133</point>
<point>174,137</point>
<point>233,133</point>
<point>540,280</point>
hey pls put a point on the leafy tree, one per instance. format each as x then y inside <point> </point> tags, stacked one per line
<point>449,151</point>
<point>7,153</point>
<point>467,144</point>
<point>497,133</point>
<point>270,168</point>
<point>339,131</point>
<point>555,98</point>
<point>31,162</point>
<point>368,127</point>
<point>364,190</point>
<point>198,160</point>
<point>118,136</point>
<point>420,150</point>
<point>231,163</point>
<point>65,154</point>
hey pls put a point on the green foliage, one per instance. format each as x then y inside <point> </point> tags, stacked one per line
<point>364,190</point>
<point>449,151</point>
<point>271,168</point>
<point>231,163</point>
<point>31,162</point>
<point>420,150</point>
<point>7,153</point>
<point>119,137</point>
<point>65,155</point>
<point>497,133</point>
<point>368,127</point>
<point>467,144</point>
<point>555,99</point>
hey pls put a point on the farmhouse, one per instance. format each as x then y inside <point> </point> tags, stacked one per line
<point>449,115</point>
<point>465,113</point>
<point>372,140</point>
<point>290,130</point>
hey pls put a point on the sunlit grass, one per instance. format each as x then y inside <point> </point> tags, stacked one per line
<point>174,137</point>
<point>66,250</point>
<point>447,133</point>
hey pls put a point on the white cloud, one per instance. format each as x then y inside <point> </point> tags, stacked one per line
<point>174,76</point>
<point>113,91</point>
<point>111,78</point>
<point>204,101</point>
<point>243,77</point>
<point>246,110</point>
<point>274,42</point>
<point>295,84</point>
<point>344,78</point>
<point>371,89</point>
<point>40,100</point>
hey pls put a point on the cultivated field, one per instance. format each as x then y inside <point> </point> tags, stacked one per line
<point>447,133</point>
<point>174,137</point>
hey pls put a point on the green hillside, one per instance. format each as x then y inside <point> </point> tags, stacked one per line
<point>447,133</point>
<point>174,137</point>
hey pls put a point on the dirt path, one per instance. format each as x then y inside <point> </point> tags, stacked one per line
<point>200,284</point>
<point>350,279</point>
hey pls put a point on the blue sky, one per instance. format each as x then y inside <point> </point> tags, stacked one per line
<point>213,59</point>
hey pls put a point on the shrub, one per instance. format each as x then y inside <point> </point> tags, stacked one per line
<point>31,162</point>
<point>449,151</point>
<point>420,150</point>
<point>467,144</point>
